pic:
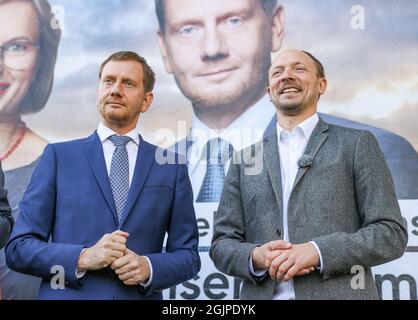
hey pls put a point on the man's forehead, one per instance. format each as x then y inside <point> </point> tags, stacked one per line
<point>291,57</point>
<point>191,9</point>
<point>127,69</point>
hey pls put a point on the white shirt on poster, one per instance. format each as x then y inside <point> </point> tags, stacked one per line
<point>246,130</point>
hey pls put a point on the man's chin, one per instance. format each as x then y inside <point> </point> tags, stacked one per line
<point>290,109</point>
<point>218,95</point>
<point>214,102</point>
<point>115,116</point>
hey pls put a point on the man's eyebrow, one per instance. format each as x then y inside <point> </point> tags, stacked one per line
<point>276,68</point>
<point>126,79</point>
<point>109,76</point>
<point>182,21</point>
<point>234,12</point>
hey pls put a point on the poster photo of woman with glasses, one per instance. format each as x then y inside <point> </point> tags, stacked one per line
<point>28,50</point>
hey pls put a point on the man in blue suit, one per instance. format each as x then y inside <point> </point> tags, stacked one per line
<point>98,209</point>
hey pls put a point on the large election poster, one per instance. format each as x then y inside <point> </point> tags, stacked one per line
<point>211,59</point>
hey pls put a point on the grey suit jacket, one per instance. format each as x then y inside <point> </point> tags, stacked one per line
<point>343,198</point>
<point>6,219</point>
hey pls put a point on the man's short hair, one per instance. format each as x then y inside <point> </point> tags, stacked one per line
<point>269,7</point>
<point>319,67</point>
<point>149,76</point>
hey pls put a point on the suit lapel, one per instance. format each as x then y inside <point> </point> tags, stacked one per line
<point>272,163</point>
<point>144,162</point>
<point>271,128</point>
<point>318,137</point>
<point>94,152</point>
<point>182,147</point>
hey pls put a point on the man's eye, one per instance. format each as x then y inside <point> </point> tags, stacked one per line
<point>108,81</point>
<point>129,85</point>
<point>187,31</point>
<point>234,21</point>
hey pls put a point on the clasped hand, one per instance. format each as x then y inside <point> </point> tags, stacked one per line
<point>284,261</point>
<point>111,250</point>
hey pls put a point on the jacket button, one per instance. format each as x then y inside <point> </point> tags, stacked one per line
<point>110,277</point>
<point>279,232</point>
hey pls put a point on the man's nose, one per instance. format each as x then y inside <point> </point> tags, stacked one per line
<point>214,46</point>
<point>116,89</point>
<point>287,74</point>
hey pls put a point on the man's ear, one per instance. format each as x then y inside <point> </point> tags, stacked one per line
<point>323,84</point>
<point>149,97</point>
<point>269,93</point>
<point>164,53</point>
<point>277,28</point>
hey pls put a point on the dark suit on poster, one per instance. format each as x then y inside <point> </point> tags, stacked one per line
<point>6,219</point>
<point>400,155</point>
<point>342,198</point>
<point>69,200</point>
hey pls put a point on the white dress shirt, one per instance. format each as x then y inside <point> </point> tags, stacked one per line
<point>291,145</point>
<point>246,130</point>
<point>109,148</point>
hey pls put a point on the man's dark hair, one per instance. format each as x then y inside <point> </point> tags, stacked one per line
<point>149,76</point>
<point>269,7</point>
<point>319,67</point>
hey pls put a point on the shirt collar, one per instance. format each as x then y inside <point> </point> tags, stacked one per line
<point>105,133</point>
<point>252,123</point>
<point>307,126</point>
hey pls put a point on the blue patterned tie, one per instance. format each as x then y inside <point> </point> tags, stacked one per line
<point>119,173</point>
<point>218,152</point>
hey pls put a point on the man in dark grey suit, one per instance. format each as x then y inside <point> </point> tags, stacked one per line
<point>6,220</point>
<point>324,205</point>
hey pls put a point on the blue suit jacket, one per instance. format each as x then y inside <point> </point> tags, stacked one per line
<point>68,206</point>
<point>401,157</point>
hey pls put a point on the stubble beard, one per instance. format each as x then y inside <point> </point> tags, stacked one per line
<point>290,109</point>
<point>113,118</point>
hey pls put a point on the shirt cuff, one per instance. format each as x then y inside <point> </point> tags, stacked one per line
<point>148,283</point>
<point>256,273</point>
<point>321,266</point>
<point>80,274</point>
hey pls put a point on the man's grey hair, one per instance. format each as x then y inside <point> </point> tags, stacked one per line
<point>269,6</point>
